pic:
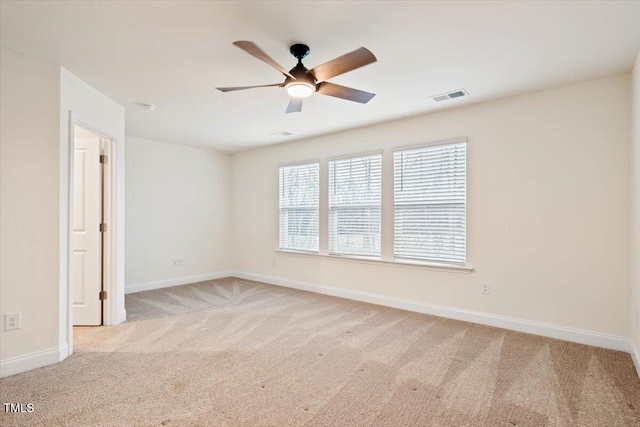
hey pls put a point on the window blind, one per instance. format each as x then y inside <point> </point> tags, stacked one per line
<point>430,203</point>
<point>354,206</point>
<point>299,206</point>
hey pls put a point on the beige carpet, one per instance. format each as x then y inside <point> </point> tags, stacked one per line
<point>238,353</point>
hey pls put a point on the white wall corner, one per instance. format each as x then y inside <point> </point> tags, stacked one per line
<point>31,361</point>
<point>580,336</point>
<point>167,283</point>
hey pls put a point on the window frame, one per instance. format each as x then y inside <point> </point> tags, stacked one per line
<point>355,156</point>
<point>293,164</point>
<point>428,261</point>
<point>387,258</point>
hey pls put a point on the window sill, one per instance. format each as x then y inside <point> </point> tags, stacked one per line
<point>400,263</point>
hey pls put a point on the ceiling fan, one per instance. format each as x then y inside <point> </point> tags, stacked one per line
<point>301,83</point>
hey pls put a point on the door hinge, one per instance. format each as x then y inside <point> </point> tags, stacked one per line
<point>103,227</point>
<point>103,158</point>
<point>103,295</point>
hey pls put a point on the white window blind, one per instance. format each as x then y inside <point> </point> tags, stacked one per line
<point>430,203</point>
<point>354,206</point>
<point>299,206</point>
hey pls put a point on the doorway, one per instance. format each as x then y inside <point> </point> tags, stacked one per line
<point>90,157</point>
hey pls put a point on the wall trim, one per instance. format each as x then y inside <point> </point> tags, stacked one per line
<point>167,283</point>
<point>122,316</point>
<point>31,361</point>
<point>580,336</point>
<point>635,356</point>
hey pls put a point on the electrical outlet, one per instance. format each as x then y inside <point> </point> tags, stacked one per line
<point>177,262</point>
<point>485,288</point>
<point>12,321</point>
<point>274,262</point>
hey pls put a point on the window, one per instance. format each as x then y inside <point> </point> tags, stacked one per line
<point>299,205</point>
<point>354,206</point>
<point>430,203</point>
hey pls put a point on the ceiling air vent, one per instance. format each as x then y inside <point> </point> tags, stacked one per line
<point>283,133</point>
<point>450,95</point>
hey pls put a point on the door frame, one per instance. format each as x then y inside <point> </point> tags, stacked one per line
<point>109,246</point>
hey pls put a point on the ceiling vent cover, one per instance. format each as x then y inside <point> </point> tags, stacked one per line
<point>450,95</point>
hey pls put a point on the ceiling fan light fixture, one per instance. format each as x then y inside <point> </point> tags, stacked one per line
<point>299,89</point>
<point>301,82</point>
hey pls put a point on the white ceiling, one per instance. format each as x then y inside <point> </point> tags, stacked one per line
<point>173,54</point>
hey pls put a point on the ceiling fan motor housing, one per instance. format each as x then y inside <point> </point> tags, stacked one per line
<point>299,72</point>
<point>301,78</point>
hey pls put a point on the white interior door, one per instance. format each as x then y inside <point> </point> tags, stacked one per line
<point>87,239</point>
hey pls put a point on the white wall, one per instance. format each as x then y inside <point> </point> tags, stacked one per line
<point>178,205</point>
<point>37,100</point>
<point>548,208</point>
<point>29,183</point>
<point>95,109</point>
<point>635,215</point>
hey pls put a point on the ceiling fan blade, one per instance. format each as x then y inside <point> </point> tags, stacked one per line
<point>356,59</point>
<point>255,51</point>
<point>295,105</point>
<point>229,89</point>
<point>330,89</point>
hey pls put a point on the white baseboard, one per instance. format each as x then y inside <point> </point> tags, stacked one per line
<point>31,361</point>
<point>122,316</point>
<point>635,356</point>
<point>167,283</point>
<point>551,331</point>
